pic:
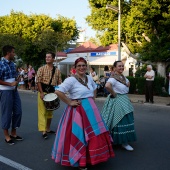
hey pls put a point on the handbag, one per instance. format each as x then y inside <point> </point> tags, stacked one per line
<point>48,88</point>
<point>95,78</point>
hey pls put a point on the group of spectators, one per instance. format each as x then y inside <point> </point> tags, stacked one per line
<point>27,78</point>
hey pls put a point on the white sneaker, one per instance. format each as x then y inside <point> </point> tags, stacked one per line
<point>127,147</point>
<point>83,168</point>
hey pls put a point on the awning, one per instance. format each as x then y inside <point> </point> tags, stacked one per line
<point>69,60</point>
<point>102,60</point>
<point>92,60</point>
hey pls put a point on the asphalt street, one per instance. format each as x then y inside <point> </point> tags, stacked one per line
<point>152,149</point>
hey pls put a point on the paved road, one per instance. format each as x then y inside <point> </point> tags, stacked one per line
<point>152,150</point>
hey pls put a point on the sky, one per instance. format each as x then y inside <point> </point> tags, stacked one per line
<point>77,9</point>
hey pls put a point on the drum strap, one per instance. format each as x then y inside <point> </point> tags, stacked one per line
<point>48,88</point>
<point>53,71</point>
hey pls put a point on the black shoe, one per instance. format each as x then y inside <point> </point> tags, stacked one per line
<point>16,138</point>
<point>51,132</point>
<point>45,136</point>
<point>10,142</point>
<point>168,104</point>
<point>152,102</point>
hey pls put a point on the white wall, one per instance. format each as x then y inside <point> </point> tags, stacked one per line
<point>161,68</point>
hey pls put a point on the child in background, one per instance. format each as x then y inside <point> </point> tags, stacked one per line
<point>33,82</point>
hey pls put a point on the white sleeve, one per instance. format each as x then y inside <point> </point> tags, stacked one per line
<point>67,85</point>
<point>111,81</point>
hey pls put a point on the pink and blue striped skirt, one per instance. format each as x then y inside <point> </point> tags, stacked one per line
<point>82,137</point>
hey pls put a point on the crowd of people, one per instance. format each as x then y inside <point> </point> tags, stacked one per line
<point>27,78</point>
<point>85,136</point>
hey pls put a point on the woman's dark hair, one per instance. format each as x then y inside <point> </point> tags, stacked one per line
<point>81,59</point>
<point>93,68</point>
<point>106,68</point>
<point>115,63</point>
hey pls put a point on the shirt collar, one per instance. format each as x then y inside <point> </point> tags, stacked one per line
<point>5,60</point>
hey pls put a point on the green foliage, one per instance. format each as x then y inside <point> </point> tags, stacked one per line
<point>13,40</point>
<point>33,35</point>
<point>144,26</point>
<point>159,83</point>
<point>140,87</point>
<point>137,85</point>
<point>132,88</point>
<point>95,41</point>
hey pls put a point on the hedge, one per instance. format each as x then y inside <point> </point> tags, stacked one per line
<point>137,85</point>
<point>132,88</point>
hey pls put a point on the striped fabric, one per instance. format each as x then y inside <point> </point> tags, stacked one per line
<point>82,137</point>
<point>124,131</point>
<point>115,109</point>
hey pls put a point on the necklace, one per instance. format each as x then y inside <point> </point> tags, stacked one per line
<point>120,78</point>
<point>83,82</point>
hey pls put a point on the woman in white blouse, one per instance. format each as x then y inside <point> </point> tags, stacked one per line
<point>82,137</point>
<point>117,111</point>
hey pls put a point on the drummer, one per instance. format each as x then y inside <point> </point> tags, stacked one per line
<point>47,78</point>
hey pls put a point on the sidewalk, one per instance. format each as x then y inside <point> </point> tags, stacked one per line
<point>135,98</point>
<point>157,99</point>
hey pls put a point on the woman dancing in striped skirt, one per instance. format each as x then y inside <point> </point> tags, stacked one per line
<point>117,111</point>
<point>82,137</point>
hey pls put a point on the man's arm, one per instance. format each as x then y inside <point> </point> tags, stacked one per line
<point>8,83</point>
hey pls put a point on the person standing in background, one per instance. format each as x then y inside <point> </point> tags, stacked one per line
<point>93,74</point>
<point>111,69</point>
<point>11,111</point>
<point>30,71</point>
<point>72,70</point>
<point>26,78</point>
<point>106,76</point>
<point>149,75</point>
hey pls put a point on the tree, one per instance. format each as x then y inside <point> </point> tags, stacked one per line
<point>40,34</point>
<point>144,26</point>
<point>95,41</point>
<point>13,40</point>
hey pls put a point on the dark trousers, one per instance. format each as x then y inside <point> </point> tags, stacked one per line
<point>11,111</point>
<point>149,91</point>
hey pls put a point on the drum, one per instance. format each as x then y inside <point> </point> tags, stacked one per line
<point>51,101</point>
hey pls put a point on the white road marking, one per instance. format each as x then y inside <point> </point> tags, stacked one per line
<point>13,164</point>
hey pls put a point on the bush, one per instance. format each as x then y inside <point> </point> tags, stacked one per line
<point>159,82</point>
<point>140,85</point>
<point>132,88</point>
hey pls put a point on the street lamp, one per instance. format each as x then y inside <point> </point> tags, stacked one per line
<point>117,9</point>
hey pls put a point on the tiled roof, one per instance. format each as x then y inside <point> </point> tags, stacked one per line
<point>107,48</point>
<point>85,47</point>
<point>61,54</point>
